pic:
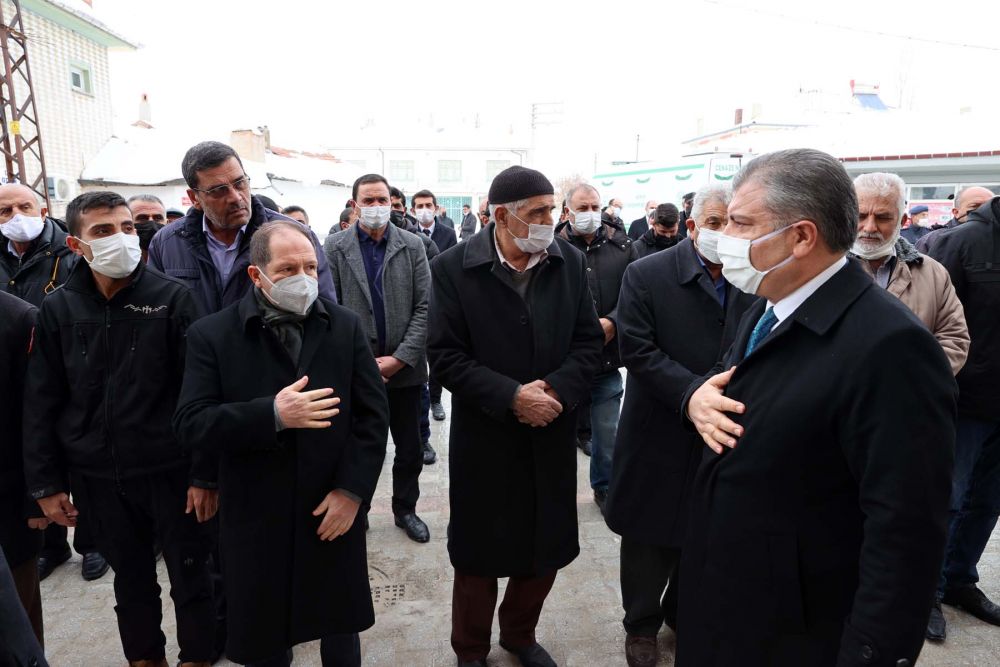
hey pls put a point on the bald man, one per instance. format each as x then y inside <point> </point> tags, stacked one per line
<point>967,201</point>
<point>34,260</point>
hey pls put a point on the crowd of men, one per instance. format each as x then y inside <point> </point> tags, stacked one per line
<point>808,431</point>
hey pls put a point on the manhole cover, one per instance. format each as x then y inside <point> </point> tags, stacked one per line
<point>385,591</point>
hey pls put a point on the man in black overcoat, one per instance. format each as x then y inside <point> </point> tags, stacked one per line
<point>675,314</point>
<point>818,517</point>
<point>284,386</point>
<point>515,338</point>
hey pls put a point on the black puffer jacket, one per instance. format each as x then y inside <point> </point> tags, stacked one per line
<point>103,381</point>
<point>44,268</point>
<point>607,258</point>
<point>971,253</point>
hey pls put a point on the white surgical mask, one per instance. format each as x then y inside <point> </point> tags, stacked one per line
<point>613,211</point>
<point>294,294</point>
<point>115,256</point>
<point>867,251</point>
<point>734,255</point>
<point>374,217</point>
<point>585,222</point>
<point>22,228</point>
<point>425,216</point>
<point>539,237</point>
<point>708,244</point>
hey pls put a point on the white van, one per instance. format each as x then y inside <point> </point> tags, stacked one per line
<point>664,181</point>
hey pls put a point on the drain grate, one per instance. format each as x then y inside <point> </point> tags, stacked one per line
<point>385,591</point>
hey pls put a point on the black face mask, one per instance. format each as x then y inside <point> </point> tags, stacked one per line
<point>664,242</point>
<point>396,217</point>
<point>146,231</point>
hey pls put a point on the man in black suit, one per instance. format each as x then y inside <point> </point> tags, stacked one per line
<point>818,519</point>
<point>639,226</point>
<point>676,311</point>
<point>424,205</point>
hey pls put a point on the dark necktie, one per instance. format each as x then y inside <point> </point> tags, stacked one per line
<point>760,332</point>
<point>427,232</point>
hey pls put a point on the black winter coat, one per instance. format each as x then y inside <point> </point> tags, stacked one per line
<point>19,543</point>
<point>638,227</point>
<point>443,236</point>
<point>44,268</point>
<point>103,378</point>
<point>650,244</point>
<point>818,539</point>
<point>513,487</point>
<point>971,253</point>
<point>673,330</point>
<point>285,586</point>
<point>607,258</point>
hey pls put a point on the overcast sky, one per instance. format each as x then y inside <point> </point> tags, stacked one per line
<point>621,68</point>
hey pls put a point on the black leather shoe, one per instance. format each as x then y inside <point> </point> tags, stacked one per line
<point>601,498</point>
<point>936,627</point>
<point>430,456</point>
<point>974,601</point>
<point>94,566</point>
<point>640,651</point>
<point>415,529</point>
<point>530,656</point>
<point>472,663</point>
<point>437,411</point>
<point>585,446</point>
<point>46,564</point>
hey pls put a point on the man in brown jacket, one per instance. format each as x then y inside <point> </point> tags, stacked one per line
<point>917,280</point>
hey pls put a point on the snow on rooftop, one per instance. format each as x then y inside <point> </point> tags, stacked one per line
<point>148,156</point>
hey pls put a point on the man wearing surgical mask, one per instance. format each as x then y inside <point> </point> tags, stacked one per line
<point>813,516</point>
<point>675,312</point>
<point>609,251</point>
<point>381,273</point>
<point>104,375</point>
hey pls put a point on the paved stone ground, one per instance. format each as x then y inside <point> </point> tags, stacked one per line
<point>411,584</point>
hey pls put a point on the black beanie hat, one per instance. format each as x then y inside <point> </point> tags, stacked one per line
<point>516,183</point>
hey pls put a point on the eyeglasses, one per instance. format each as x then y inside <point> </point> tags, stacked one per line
<point>241,186</point>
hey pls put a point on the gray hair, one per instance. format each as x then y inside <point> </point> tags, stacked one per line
<point>806,184</point>
<point>511,206</point>
<point>204,156</point>
<point>260,242</point>
<point>576,187</point>
<point>713,193</point>
<point>152,199</point>
<point>883,185</point>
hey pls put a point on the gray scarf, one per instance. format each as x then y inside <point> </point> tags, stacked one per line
<point>286,326</point>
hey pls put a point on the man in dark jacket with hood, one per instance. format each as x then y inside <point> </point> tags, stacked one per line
<point>971,254</point>
<point>514,336</point>
<point>35,260</point>
<point>608,250</point>
<point>209,249</point>
<point>663,234</point>
<point>103,379</point>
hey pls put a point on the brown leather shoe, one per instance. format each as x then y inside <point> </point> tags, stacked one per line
<point>162,662</point>
<point>640,651</point>
<point>206,663</point>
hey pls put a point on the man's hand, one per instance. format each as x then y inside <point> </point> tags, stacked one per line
<point>340,514</point>
<point>204,503</point>
<point>58,508</point>
<point>707,409</point>
<point>305,409</point>
<point>39,524</point>
<point>536,407</point>
<point>389,366</point>
<point>609,329</point>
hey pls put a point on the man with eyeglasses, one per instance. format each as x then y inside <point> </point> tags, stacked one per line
<point>209,250</point>
<point>967,201</point>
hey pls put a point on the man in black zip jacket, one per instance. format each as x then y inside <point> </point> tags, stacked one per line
<point>104,376</point>
<point>34,260</point>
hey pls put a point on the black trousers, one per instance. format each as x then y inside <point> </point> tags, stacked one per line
<point>83,537</point>
<point>435,388</point>
<point>334,651</point>
<point>649,576</point>
<point>404,425</point>
<point>126,517</point>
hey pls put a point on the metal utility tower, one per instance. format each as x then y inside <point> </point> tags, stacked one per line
<point>19,120</point>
